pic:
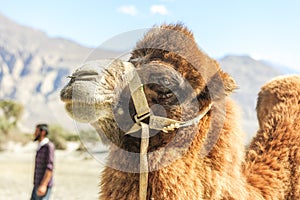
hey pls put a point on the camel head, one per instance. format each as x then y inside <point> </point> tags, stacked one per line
<point>178,82</point>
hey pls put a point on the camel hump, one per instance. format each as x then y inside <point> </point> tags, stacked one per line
<point>279,99</point>
<point>273,156</point>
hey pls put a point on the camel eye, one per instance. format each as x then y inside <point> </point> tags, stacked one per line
<point>165,81</point>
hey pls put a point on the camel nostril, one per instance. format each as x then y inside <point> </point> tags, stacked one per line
<point>84,75</point>
<point>71,77</point>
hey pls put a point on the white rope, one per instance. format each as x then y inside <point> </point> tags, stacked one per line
<point>144,162</point>
<point>143,110</point>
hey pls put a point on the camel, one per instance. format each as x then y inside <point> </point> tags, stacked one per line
<point>195,144</point>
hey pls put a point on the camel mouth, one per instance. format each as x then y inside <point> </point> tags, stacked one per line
<point>84,100</point>
<point>88,112</point>
<point>87,102</point>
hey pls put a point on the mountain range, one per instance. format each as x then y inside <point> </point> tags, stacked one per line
<point>34,67</point>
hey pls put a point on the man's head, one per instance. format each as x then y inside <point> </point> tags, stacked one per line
<point>41,131</point>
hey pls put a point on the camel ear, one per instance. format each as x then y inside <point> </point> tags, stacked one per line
<point>219,86</point>
<point>229,83</point>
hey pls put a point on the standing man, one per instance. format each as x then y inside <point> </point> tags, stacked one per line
<point>43,171</point>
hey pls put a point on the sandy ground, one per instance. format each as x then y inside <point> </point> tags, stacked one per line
<point>76,174</point>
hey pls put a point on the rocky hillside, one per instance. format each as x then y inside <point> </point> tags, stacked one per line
<point>250,75</point>
<point>33,69</point>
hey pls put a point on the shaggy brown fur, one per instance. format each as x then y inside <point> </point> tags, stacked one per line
<point>216,176</point>
<point>271,170</point>
<point>273,161</point>
<point>203,161</point>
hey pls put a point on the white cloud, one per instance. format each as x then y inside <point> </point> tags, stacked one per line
<point>159,9</point>
<point>129,10</point>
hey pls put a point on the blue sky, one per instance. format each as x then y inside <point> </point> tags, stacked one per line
<point>263,29</point>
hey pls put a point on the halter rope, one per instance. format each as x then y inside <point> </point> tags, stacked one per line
<point>155,122</point>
